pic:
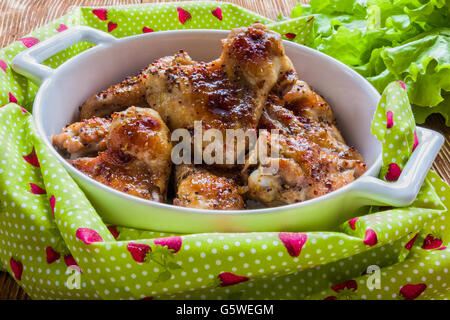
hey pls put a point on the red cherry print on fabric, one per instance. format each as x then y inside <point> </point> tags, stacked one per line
<point>352,223</point>
<point>32,158</point>
<point>3,65</point>
<point>217,12</point>
<point>370,238</point>
<point>412,291</point>
<point>69,260</point>
<point>402,84</point>
<point>183,15</point>
<point>102,14</point>
<point>229,279</point>
<point>393,173</point>
<point>88,236</point>
<point>411,242</point>
<point>111,26</point>
<point>173,243</point>
<point>52,201</point>
<point>12,98</point>
<point>147,30</point>
<point>290,35</point>
<point>350,285</point>
<point>114,231</point>
<point>138,251</point>
<point>61,28</point>
<point>35,189</point>
<point>29,41</point>
<point>389,119</point>
<point>293,242</point>
<point>51,255</point>
<point>17,268</point>
<point>431,242</point>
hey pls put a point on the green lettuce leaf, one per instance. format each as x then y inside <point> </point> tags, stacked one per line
<point>422,63</point>
<point>387,40</point>
<point>421,113</point>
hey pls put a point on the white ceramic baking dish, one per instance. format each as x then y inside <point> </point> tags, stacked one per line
<point>353,99</point>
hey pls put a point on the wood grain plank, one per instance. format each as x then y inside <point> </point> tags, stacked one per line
<point>9,289</point>
<point>442,163</point>
<point>19,17</point>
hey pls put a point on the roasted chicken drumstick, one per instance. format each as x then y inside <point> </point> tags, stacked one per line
<point>118,97</point>
<point>137,157</point>
<point>252,85</point>
<point>202,188</point>
<point>83,138</point>
<point>313,157</point>
<point>228,93</point>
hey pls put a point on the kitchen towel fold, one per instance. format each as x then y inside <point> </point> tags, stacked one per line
<point>56,246</point>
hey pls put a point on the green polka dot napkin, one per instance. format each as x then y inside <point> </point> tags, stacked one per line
<point>53,242</point>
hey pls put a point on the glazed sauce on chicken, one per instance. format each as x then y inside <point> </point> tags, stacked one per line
<point>123,137</point>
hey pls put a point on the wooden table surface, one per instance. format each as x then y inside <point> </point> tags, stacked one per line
<point>19,17</point>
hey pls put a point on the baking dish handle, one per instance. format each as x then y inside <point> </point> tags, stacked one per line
<point>28,62</point>
<point>404,191</point>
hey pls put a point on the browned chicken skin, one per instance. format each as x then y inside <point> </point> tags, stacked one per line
<point>137,158</point>
<point>83,138</point>
<point>305,102</point>
<point>252,85</point>
<point>132,177</point>
<point>228,93</point>
<point>207,189</point>
<point>129,92</point>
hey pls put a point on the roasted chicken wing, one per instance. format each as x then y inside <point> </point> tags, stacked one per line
<point>204,188</point>
<point>118,97</point>
<point>252,85</point>
<point>228,93</point>
<point>137,158</point>
<point>83,138</point>
<point>313,158</point>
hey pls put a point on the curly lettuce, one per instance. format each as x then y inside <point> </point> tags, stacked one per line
<point>387,40</point>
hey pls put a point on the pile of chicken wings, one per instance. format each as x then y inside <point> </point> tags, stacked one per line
<point>123,138</point>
